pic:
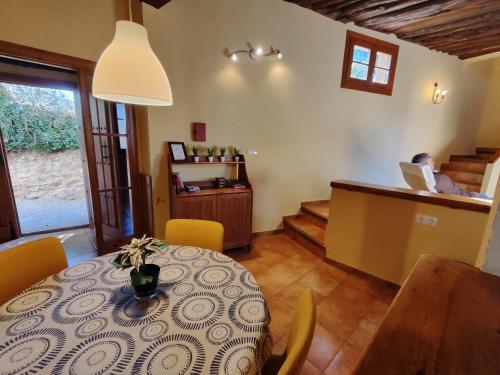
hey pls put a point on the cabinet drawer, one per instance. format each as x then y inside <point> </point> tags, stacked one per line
<point>202,207</point>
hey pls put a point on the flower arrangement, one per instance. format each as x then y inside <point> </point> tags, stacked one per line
<point>134,255</point>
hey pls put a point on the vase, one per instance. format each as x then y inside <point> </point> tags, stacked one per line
<point>210,158</point>
<point>222,158</point>
<point>145,281</point>
<point>236,158</point>
<point>196,159</point>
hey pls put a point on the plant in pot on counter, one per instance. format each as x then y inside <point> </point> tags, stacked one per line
<point>222,153</point>
<point>196,151</point>
<point>210,153</point>
<point>144,276</point>
<point>236,153</point>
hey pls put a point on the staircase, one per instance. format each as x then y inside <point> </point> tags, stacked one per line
<point>308,226</point>
<point>468,170</point>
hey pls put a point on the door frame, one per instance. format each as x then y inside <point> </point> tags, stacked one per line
<point>35,55</point>
<point>140,183</point>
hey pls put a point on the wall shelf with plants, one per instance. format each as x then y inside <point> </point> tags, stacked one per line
<point>226,200</point>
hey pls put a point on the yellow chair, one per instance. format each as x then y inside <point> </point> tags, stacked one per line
<point>299,339</point>
<point>26,264</point>
<point>199,233</point>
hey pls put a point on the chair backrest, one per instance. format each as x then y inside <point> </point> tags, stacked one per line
<point>300,335</point>
<point>418,176</point>
<point>26,264</point>
<point>190,232</point>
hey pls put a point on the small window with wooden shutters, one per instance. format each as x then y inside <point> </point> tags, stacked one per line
<point>369,64</point>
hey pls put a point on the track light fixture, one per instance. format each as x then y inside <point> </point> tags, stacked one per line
<point>253,53</point>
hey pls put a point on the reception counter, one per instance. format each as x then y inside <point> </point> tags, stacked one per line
<point>383,230</point>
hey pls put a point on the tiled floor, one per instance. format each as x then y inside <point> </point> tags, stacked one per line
<point>79,244</point>
<point>350,305</point>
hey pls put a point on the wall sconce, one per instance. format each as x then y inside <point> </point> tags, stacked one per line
<point>253,53</point>
<point>438,95</point>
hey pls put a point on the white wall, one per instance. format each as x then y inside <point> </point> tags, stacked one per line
<point>306,129</point>
<point>489,129</point>
<point>79,28</point>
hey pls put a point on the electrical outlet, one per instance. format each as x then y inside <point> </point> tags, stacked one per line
<point>426,220</point>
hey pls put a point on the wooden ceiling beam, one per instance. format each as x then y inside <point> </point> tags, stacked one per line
<point>451,26</point>
<point>479,53</point>
<point>410,14</point>
<point>446,47</point>
<point>378,9</point>
<point>484,19</point>
<point>456,37</point>
<point>472,8</point>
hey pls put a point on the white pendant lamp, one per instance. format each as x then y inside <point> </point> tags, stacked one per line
<point>128,71</point>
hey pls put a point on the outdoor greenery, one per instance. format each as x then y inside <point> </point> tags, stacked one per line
<point>37,119</point>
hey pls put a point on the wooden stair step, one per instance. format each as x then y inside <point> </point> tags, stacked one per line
<point>468,158</point>
<point>487,150</point>
<point>464,166</point>
<point>464,177</point>
<point>305,232</point>
<point>484,157</point>
<point>469,187</point>
<point>318,208</point>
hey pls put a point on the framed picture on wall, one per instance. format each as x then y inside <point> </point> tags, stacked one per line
<point>177,152</point>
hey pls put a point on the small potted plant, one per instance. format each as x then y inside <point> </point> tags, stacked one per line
<point>236,153</point>
<point>144,276</point>
<point>196,150</point>
<point>210,152</point>
<point>222,154</point>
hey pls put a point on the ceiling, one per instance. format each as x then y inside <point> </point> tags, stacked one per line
<point>464,28</point>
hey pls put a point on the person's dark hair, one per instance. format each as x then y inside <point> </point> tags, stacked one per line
<point>420,158</point>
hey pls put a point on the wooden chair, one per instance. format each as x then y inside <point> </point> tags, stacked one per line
<point>199,233</point>
<point>26,264</point>
<point>299,339</point>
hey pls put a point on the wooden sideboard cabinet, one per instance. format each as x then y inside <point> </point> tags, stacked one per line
<point>229,206</point>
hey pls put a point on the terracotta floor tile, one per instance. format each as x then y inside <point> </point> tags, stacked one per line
<point>324,347</point>
<point>343,310</point>
<point>271,282</point>
<point>279,346</point>
<point>255,266</point>
<point>365,284</point>
<point>292,293</point>
<point>291,269</point>
<point>310,369</point>
<point>281,316</point>
<point>272,258</point>
<point>377,312</point>
<point>362,336</point>
<point>319,282</point>
<point>345,361</point>
<point>307,258</point>
<point>333,271</point>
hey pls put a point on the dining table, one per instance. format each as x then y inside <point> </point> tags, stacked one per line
<point>209,316</point>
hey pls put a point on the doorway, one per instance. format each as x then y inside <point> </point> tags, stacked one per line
<point>40,132</point>
<point>118,196</point>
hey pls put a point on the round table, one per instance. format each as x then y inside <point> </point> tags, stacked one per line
<point>209,317</point>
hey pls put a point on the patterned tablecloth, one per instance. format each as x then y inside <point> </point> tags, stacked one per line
<point>209,317</point>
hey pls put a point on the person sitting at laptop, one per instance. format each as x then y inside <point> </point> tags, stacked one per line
<point>444,184</point>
